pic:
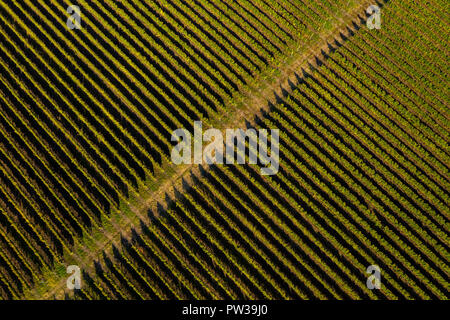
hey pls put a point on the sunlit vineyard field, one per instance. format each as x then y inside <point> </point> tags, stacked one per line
<point>86,178</point>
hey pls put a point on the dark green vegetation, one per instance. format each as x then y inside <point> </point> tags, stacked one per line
<point>86,118</point>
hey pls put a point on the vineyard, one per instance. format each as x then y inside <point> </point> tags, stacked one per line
<point>86,118</point>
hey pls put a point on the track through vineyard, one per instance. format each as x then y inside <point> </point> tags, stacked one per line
<point>252,104</point>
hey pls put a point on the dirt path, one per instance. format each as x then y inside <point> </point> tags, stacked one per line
<point>254,102</point>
